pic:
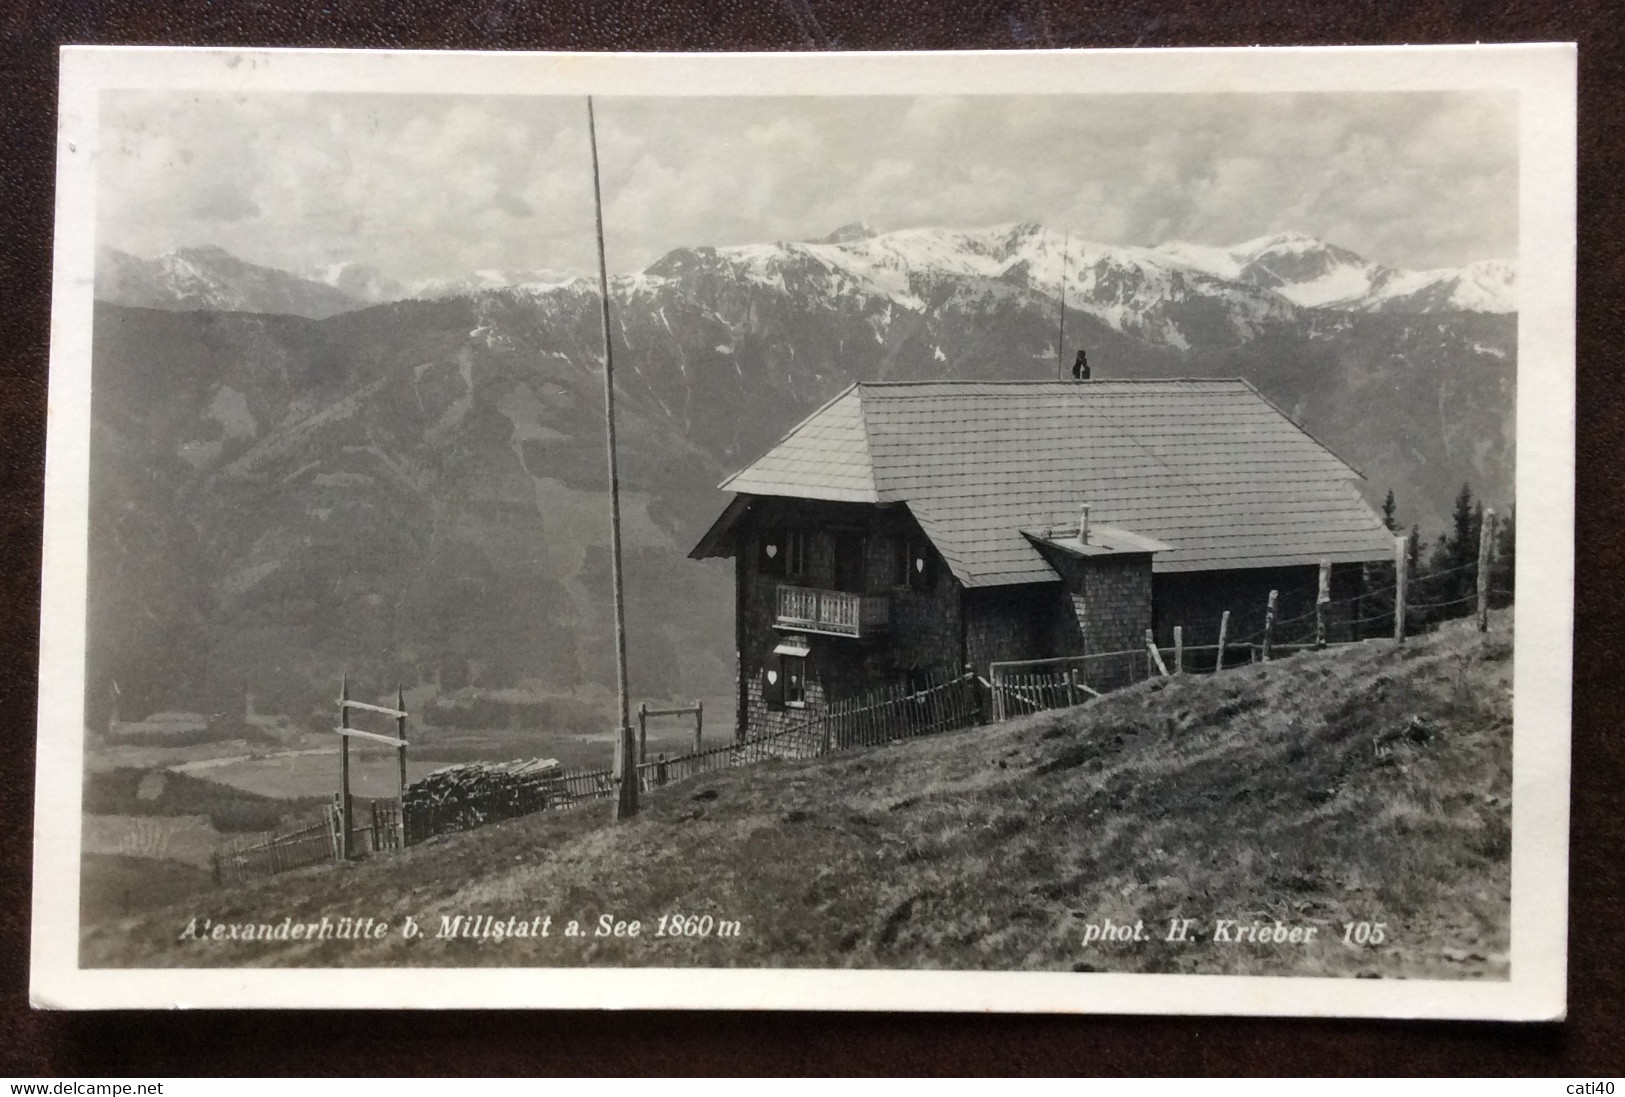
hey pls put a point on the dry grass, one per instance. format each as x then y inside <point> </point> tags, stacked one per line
<point>1366,784</point>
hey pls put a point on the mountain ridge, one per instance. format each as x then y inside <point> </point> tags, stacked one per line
<point>1300,269</point>
<point>414,490</point>
<point>1314,274</point>
<point>209,278</point>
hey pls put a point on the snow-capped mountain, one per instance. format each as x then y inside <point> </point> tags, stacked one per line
<point>364,283</point>
<point>430,471</point>
<point>1314,274</point>
<point>481,281</point>
<point>212,279</point>
<point>1133,291</point>
<point>1176,295</point>
<point>1487,286</point>
<point>1304,270</point>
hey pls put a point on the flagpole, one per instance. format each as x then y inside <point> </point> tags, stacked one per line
<point>626,802</point>
<point>1060,340</point>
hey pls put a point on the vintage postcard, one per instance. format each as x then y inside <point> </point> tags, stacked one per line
<point>1058,531</point>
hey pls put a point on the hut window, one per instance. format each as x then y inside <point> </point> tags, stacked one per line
<point>851,554</point>
<point>898,553</point>
<point>794,670</point>
<point>796,554</point>
<point>785,676</point>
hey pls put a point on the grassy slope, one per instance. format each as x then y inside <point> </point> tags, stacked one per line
<point>1364,783</point>
<point>111,884</point>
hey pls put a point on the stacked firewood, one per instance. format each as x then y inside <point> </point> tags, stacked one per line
<point>465,796</point>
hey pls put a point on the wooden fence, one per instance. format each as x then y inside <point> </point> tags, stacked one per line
<point>879,716</point>
<point>377,828</point>
<point>313,840</point>
<point>1037,684</point>
<point>310,842</point>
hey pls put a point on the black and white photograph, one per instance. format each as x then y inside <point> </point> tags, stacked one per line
<point>913,532</point>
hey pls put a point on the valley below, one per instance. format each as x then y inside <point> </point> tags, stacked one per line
<point>161,812</point>
<point>414,491</point>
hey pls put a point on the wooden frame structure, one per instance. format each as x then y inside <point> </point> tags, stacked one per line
<point>346,802</point>
<point>696,710</point>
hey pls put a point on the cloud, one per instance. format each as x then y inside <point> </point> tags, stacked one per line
<point>432,187</point>
<point>225,201</point>
<point>513,205</point>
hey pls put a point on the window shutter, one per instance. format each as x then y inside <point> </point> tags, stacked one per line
<point>922,565</point>
<point>772,552</point>
<point>773,683</point>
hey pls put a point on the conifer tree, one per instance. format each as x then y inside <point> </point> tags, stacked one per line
<point>1388,512</point>
<point>1442,557</point>
<point>1438,585</point>
<point>1463,544</point>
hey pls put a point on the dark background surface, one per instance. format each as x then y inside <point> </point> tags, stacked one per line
<point>223,1043</point>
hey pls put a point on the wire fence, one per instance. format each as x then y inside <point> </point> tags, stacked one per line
<point>1020,687</point>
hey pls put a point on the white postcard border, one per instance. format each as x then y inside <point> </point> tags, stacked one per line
<point>1543,77</point>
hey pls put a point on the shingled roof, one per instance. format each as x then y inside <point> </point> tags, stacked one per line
<point>1208,467</point>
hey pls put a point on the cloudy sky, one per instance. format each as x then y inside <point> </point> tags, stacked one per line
<point>437,186</point>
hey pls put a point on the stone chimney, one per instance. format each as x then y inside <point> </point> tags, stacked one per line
<point>1083,520</point>
<point>1080,367</point>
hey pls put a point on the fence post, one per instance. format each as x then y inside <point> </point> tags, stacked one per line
<point>1402,560</point>
<point>400,733</point>
<point>1179,649</point>
<point>335,833</point>
<point>643,732</point>
<point>345,829</point>
<point>1156,656</point>
<point>1269,623</point>
<point>1486,554</point>
<point>1224,630</point>
<point>1322,598</point>
<point>699,719</point>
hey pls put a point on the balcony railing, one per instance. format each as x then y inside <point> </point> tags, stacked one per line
<point>832,612</point>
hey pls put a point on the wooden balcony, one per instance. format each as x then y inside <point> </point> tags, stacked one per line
<point>832,612</point>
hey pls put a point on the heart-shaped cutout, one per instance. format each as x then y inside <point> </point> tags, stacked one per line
<point>919,564</point>
<point>772,676</point>
<point>772,551</point>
